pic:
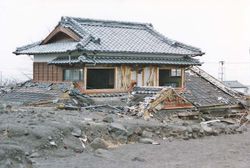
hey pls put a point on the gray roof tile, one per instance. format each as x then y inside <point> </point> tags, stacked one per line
<point>113,36</point>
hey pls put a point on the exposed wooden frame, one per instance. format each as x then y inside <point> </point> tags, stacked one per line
<point>58,29</point>
<point>157,76</point>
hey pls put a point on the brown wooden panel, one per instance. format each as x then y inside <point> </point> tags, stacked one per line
<point>43,72</point>
<point>59,74</point>
<point>50,71</point>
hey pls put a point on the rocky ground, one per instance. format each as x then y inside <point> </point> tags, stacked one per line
<point>47,137</point>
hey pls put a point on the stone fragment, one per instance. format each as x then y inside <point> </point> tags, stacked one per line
<point>76,132</point>
<point>108,119</point>
<point>99,143</point>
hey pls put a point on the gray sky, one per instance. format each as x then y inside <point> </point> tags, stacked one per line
<point>221,28</point>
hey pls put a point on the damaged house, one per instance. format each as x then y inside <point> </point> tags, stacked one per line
<point>118,57</point>
<point>109,56</point>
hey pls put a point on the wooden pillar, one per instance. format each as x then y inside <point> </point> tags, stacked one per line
<point>85,78</point>
<point>182,77</point>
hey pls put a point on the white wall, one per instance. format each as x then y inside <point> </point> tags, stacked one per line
<point>44,58</point>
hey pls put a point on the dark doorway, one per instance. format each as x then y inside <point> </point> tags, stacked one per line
<point>100,79</point>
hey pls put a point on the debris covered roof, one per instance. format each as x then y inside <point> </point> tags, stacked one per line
<point>200,90</point>
<point>112,36</point>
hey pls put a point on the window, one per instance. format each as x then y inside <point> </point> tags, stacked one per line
<point>72,74</point>
<point>100,79</point>
<point>175,72</point>
<point>170,77</point>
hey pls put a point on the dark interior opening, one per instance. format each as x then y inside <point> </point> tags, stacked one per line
<point>167,79</point>
<point>100,79</point>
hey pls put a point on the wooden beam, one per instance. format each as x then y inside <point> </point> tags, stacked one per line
<point>95,91</point>
<point>143,68</point>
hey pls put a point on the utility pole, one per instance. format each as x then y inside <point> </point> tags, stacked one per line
<point>1,78</point>
<point>221,70</point>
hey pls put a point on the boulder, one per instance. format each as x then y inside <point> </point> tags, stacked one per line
<point>99,143</point>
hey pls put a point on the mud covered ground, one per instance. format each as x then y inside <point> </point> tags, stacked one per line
<point>224,151</point>
<point>42,137</point>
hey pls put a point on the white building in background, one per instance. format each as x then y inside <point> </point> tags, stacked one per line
<point>236,85</point>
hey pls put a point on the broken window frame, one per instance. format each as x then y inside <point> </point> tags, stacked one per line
<point>175,72</point>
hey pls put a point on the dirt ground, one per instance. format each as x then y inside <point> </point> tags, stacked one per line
<point>224,151</point>
<point>46,137</point>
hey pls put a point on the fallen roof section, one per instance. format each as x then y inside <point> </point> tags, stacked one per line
<point>202,90</point>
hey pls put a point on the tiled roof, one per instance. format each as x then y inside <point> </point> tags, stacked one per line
<point>112,36</point>
<point>124,60</point>
<point>234,84</point>
<point>59,47</point>
<point>203,93</point>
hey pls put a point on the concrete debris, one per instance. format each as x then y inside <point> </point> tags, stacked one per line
<point>83,141</point>
<point>52,143</point>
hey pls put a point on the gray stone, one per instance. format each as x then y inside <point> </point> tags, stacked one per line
<point>71,142</point>
<point>196,128</point>
<point>241,129</point>
<point>99,143</point>
<point>108,119</point>
<point>178,129</point>
<point>148,141</point>
<point>50,138</point>
<point>206,128</point>
<point>189,129</point>
<point>119,129</point>
<point>147,134</point>
<point>35,155</point>
<point>77,132</point>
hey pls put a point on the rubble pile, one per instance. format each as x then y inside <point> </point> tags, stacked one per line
<point>58,120</point>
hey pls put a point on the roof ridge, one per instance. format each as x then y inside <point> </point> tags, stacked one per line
<point>174,42</point>
<point>125,23</point>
